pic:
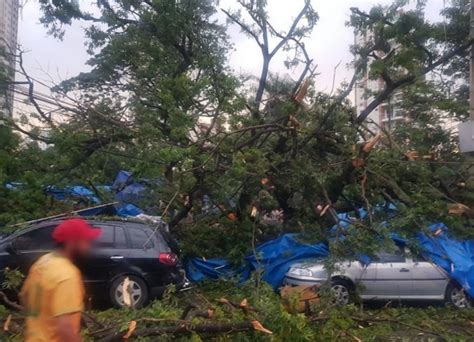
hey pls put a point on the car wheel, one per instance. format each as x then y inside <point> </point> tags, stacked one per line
<point>137,289</point>
<point>340,292</point>
<point>456,296</point>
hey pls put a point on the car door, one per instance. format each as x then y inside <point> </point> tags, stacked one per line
<point>108,258</point>
<point>367,285</point>
<point>24,249</point>
<point>428,280</point>
<point>393,275</point>
<point>144,255</point>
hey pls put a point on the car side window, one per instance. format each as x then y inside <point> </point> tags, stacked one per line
<point>38,239</point>
<point>111,237</point>
<point>106,238</point>
<point>139,238</point>
<point>120,239</point>
<point>418,258</point>
<point>397,256</point>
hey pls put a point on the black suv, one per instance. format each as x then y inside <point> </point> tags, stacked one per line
<point>148,257</point>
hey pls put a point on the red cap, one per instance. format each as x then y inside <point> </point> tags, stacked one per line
<point>75,229</point>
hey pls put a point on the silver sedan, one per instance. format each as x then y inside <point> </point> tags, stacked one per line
<point>391,276</point>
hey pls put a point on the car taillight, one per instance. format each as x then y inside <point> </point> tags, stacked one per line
<point>169,259</point>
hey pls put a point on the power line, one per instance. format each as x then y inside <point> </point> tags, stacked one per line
<point>41,97</point>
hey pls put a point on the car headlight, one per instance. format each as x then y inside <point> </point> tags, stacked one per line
<point>303,272</point>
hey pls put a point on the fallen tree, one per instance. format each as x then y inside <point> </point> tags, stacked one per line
<point>183,116</point>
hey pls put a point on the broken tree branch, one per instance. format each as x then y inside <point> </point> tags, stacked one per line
<point>14,305</point>
<point>188,328</point>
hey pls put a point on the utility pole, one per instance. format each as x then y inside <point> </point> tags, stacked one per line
<point>466,129</point>
<point>471,68</point>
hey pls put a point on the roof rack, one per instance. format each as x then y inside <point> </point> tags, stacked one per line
<point>58,216</point>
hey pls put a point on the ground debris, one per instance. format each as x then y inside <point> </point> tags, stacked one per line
<point>222,311</point>
<point>300,298</point>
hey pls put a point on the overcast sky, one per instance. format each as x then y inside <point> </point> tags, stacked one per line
<point>328,45</point>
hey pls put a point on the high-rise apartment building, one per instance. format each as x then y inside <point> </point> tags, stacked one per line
<point>8,43</point>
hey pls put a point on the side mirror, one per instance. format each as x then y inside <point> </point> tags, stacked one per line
<point>11,249</point>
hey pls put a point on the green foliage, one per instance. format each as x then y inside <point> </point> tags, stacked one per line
<point>161,101</point>
<point>13,279</point>
<point>324,323</point>
<point>342,324</point>
<point>16,166</point>
<point>271,313</point>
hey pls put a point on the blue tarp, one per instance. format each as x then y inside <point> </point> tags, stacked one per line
<point>125,210</point>
<point>199,269</point>
<point>272,258</point>
<point>131,191</point>
<point>75,192</point>
<point>275,257</point>
<point>13,185</point>
<point>454,256</point>
<point>122,179</point>
<point>127,193</point>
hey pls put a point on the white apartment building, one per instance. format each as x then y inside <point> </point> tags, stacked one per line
<point>8,43</point>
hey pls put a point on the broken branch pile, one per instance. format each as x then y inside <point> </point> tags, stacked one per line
<point>184,325</point>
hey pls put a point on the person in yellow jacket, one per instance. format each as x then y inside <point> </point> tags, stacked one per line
<point>53,292</point>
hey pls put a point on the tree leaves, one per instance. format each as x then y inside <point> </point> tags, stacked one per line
<point>161,101</point>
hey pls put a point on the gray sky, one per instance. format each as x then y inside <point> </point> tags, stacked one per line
<point>328,45</point>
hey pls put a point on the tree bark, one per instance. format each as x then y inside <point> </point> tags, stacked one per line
<point>261,84</point>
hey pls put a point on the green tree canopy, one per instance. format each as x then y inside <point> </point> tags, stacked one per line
<point>161,101</point>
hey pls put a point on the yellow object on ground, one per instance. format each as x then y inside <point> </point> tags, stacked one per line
<point>299,298</point>
<point>53,288</point>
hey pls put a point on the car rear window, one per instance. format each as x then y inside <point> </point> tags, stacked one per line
<point>165,243</point>
<point>140,238</point>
